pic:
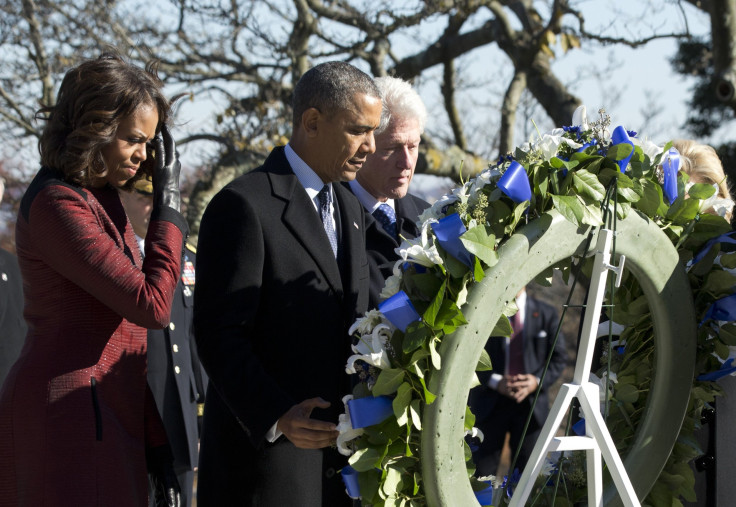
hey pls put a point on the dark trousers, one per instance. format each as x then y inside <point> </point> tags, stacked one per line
<point>507,416</point>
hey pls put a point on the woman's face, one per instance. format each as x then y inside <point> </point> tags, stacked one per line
<point>124,155</point>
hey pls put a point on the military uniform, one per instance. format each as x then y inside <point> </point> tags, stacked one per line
<point>176,379</point>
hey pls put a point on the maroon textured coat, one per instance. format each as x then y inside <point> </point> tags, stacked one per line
<point>75,410</point>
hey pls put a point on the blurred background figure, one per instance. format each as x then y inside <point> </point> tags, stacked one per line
<point>174,372</point>
<point>382,184</point>
<point>702,165</point>
<point>502,402</point>
<point>12,325</point>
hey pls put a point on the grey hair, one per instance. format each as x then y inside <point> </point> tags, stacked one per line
<point>401,101</point>
<point>330,87</point>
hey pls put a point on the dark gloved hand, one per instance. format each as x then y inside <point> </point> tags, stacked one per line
<point>166,171</point>
<point>164,485</point>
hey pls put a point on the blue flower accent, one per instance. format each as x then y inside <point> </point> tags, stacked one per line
<point>512,482</point>
<point>632,133</point>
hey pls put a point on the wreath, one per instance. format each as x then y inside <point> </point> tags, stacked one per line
<point>571,170</point>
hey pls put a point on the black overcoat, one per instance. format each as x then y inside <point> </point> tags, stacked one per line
<point>271,314</point>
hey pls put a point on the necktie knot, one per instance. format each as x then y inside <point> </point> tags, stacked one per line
<point>387,218</point>
<point>325,213</point>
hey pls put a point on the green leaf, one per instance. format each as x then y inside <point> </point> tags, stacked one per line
<point>651,202</point>
<point>393,482</point>
<point>619,151</point>
<point>719,283</point>
<point>365,459</point>
<point>591,213</point>
<point>502,327</point>
<point>701,191</point>
<point>479,243</point>
<point>426,283</point>
<point>478,273</point>
<point>436,359</point>
<point>569,207</point>
<point>683,210</point>
<point>626,393</point>
<point>484,362</point>
<point>415,411</point>
<point>415,337</point>
<point>388,381</point>
<point>587,184</point>
<point>429,397</point>
<point>430,316</point>
<point>401,402</point>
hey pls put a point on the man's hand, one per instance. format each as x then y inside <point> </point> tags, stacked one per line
<point>304,432</point>
<point>519,387</point>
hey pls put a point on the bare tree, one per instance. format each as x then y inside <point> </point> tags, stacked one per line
<point>245,56</point>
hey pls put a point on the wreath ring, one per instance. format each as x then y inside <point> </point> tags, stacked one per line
<point>546,241</point>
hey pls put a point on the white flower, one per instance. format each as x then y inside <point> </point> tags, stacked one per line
<point>364,325</point>
<point>719,205</point>
<point>549,143</point>
<point>345,427</point>
<point>475,433</point>
<point>548,468</point>
<point>647,147</point>
<point>419,250</point>
<point>371,349</point>
<point>393,282</point>
<point>483,179</point>
<point>580,118</point>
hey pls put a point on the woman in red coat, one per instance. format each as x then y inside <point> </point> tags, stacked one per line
<point>78,425</point>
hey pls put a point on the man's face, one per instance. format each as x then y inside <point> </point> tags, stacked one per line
<point>387,173</point>
<point>346,139</point>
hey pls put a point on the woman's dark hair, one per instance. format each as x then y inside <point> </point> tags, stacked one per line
<point>94,97</point>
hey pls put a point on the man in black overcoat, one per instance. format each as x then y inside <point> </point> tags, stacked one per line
<point>383,182</point>
<point>281,275</point>
<point>502,402</point>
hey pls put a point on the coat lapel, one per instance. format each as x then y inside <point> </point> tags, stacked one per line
<point>301,218</point>
<point>352,236</point>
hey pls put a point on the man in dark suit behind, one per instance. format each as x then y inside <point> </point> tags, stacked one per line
<point>502,402</point>
<point>174,373</point>
<point>282,274</point>
<point>12,325</point>
<point>383,182</point>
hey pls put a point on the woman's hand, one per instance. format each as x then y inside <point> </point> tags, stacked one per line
<point>166,171</point>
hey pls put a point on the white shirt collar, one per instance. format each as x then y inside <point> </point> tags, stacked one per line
<point>521,303</point>
<point>369,202</point>
<point>309,179</point>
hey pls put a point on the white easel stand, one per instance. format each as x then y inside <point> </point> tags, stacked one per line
<point>597,441</point>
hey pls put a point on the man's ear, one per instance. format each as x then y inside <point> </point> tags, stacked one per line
<point>310,121</point>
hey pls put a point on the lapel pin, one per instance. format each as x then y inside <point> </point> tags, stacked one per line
<point>356,226</point>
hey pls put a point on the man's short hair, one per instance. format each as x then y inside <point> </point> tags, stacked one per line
<point>330,87</point>
<point>401,101</point>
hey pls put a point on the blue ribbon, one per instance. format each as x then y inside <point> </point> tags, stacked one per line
<point>399,310</point>
<point>369,411</point>
<point>722,309</point>
<point>448,231</point>
<point>620,136</point>
<point>725,369</point>
<point>515,183</point>
<point>579,428</point>
<point>723,238</point>
<point>670,166</point>
<point>350,478</point>
<point>485,496</point>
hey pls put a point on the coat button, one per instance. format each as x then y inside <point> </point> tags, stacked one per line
<point>330,473</point>
<point>172,326</point>
<point>177,370</point>
<point>175,347</point>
